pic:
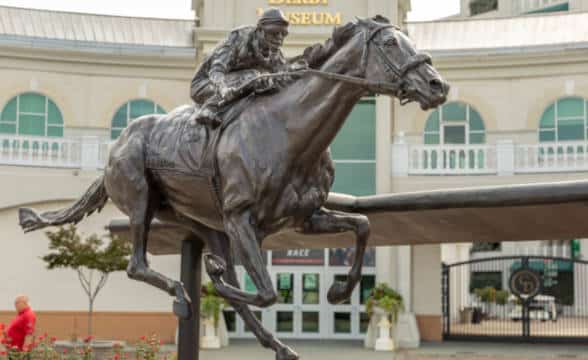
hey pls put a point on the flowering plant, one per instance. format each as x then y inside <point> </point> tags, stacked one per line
<point>147,348</point>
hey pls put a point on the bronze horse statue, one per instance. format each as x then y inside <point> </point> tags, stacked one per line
<point>266,170</point>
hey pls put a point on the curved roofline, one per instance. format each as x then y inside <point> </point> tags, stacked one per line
<point>95,47</point>
<point>521,16</point>
<point>99,15</point>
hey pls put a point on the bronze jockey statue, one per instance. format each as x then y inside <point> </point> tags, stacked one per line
<point>247,52</point>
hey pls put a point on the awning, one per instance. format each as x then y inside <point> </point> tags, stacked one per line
<point>542,211</point>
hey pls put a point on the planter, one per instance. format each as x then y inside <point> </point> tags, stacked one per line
<point>220,332</point>
<point>209,338</point>
<point>380,329</point>
<point>404,334</point>
<point>102,349</point>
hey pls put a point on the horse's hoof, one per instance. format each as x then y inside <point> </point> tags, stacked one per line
<point>182,309</point>
<point>338,293</point>
<point>215,266</point>
<point>285,353</point>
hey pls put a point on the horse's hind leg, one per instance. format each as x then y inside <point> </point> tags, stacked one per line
<point>131,190</point>
<point>328,221</point>
<point>219,245</point>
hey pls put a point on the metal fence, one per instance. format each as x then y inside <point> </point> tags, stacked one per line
<point>516,298</point>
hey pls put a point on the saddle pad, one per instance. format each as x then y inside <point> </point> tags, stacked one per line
<point>178,144</point>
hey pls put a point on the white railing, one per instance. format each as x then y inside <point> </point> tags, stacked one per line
<point>562,157</point>
<point>84,152</point>
<point>525,6</point>
<point>451,159</point>
<point>502,158</point>
<point>39,151</point>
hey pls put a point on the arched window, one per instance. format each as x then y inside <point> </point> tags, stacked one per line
<point>455,123</point>
<point>564,120</point>
<point>129,112</point>
<point>31,114</point>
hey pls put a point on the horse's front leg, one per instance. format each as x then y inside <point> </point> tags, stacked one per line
<point>243,239</point>
<point>329,221</point>
<point>220,246</point>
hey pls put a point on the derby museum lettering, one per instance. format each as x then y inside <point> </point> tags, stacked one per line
<point>307,17</point>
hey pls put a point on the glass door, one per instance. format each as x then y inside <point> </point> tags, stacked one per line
<point>297,312</point>
<point>349,320</point>
<point>309,307</point>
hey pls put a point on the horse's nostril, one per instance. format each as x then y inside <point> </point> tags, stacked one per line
<point>436,84</point>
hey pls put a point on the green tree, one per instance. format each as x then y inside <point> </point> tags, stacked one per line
<point>91,258</point>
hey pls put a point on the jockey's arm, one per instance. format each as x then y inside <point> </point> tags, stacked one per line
<point>221,59</point>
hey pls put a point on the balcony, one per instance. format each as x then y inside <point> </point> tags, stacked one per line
<point>88,152</point>
<point>502,158</point>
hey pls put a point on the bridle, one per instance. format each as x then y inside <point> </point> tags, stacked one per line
<point>412,63</point>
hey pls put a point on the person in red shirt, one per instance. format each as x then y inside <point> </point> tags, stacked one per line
<point>21,328</point>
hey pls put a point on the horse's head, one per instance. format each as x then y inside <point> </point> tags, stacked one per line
<point>389,56</point>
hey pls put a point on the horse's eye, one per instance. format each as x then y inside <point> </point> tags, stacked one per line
<point>391,42</point>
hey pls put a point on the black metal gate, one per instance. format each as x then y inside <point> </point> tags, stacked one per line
<point>516,298</point>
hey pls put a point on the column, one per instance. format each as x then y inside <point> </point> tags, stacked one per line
<point>426,290</point>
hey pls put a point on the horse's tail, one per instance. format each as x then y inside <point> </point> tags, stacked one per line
<point>94,199</point>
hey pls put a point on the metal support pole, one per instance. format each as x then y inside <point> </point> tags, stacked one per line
<point>188,336</point>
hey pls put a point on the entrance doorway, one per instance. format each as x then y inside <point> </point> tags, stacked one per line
<point>302,310</point>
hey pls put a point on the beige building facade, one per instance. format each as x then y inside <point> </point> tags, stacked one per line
<point>512,116</point>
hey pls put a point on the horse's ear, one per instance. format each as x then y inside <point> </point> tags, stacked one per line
<point>381,19</point>
<point>361,21</point>
<point>341,34</point>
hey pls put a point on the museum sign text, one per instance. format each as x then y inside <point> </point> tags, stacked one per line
<point>307,17</point>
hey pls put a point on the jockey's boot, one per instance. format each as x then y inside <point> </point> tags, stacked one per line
<point>208,115</point>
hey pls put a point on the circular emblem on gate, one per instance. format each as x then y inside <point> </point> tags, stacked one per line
<point>525,283</point>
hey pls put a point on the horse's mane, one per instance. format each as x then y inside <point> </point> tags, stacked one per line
<point>316,55</point>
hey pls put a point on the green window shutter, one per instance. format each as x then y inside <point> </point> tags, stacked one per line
<point>120,118</point>
<point>8,118</point>
<point>570,107</point>
<point>548,118</point>
<point>140,108</point>
<point>432,139</point>
<point>55,131</point>
<point>115,133</point>
<point>476,122</point>
<point>568,130</point>
<point>6,128</point>
<point>454,134</point>
<point>546,135</point>
<point>32,103</point>
<point>357,138</point>
<point>33,125</point>
<point>131,111</point>
<point>53,114</point>
<point>9,111</point>
<point>477,138</point>
<point>454,112</point>
<point>432,124</point>
<point>37,116</point>
<point>355,178</point>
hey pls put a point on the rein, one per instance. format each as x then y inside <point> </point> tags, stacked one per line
<point>392,88</point>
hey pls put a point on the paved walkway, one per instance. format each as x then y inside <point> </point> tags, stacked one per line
<point>353,350</point>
